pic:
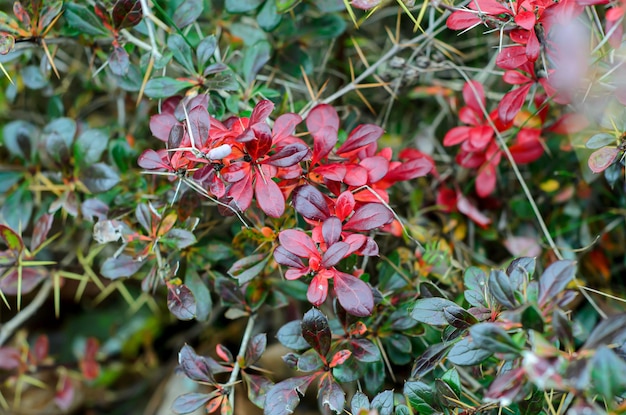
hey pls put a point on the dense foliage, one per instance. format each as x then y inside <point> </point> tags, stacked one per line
<point>269,206</point>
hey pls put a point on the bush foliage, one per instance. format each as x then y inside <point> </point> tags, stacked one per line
<point>268,206</point>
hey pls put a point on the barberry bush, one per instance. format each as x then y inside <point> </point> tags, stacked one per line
<point>295,206</point>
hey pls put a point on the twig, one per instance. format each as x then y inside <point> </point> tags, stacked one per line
<point>10,326</point>
<point>147,12</point>
<point>247,335</point>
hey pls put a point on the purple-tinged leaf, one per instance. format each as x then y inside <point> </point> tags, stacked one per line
<point>285,125</point>
<point>162,124</point>
<point>429,360</point>
<point>316,331</point>
<point>10,358</point>
<point>492,337</point>
<point>298,242</point>
<point>289,155</point>
<point>601,159</point>
<point>310,203</point>
<point>286,258</point>
<point>500,288</point>
<point>195,367</point>
<point>284,397</point>
<point>331,230</point>
<point>331,394</point>
<point>364,350</point>
<point>31,277</point>
<point>369,216</point>
<point>309,361</point>
<point>335,253</point>
<point>458,318</point>
<point>187,13</point>
<point>189,402</point>
<point>506,386</point>
<point>181,302</point>
<point>99,177</point>
<point>261,111</point>
<point>121,266</point>
<point>611,330</point>
<point>248,267</point>
<point>179,238</point>
<point>555,279</point>
<point>119,61</point>
<point>354,295</point>
<point>290,335</point>
<point>126,13</point>
<point>361,136</point>
<point>40,233</point>
<point>200,123</point>
<point>257,387</point>
<point>7,43</point>
<point>255,349</point>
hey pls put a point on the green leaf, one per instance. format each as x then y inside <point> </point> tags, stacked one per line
<point>119,61</point>
<point>8,179</point>
<point>248,267</point>
<point>600,140</point>
<point>165,87</point>
<point>224,81</point>
<point>205,50</point>
<point>11,239</point>
<point>492,337</point>
<point>255,57</point>
<point>84,19</point>
<point>99,177</point>
<point>268,18</point>
<point>58,136</point>
<point>33,77</point>
<point>607,373</point>
<point>420,396</point>
<point>383,402</point>
<point>467,353</point>
<point>89,146</point>
<point>310,361</point>
<point>20,138</point>
<point>187,13</point>
<point>283,6</point>
<point>17,208</point>
<point>242,6</point>
<point>452,379</point>
<point>430,310</point>
<point>181,51</point>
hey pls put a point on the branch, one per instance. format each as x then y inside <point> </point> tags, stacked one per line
<point>10,326</point>
<point>247,335</point>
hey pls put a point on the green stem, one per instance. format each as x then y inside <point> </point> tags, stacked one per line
<point>247,335</point>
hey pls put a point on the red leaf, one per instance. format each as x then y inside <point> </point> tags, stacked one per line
<point>318,290</point>
<point>31,277</point>
<point>236,171</point>
<point>570,123</point>
<point>126,13</point>
<point>41,347</point>
<point>360,137</point>
<point>469,210</point>
<point>269,197</point>
<point>289,155</point>
<point>10,358</point>
<point>512,58</point>
<point>331,230</point>
<point>261,142</point>
<point>189,402</point>
<point>285,125</point>
<point>601,159</point>
<point>310,203</point>
<point>261,111</point>
<point>21,13</point>
<point>344,205</point>
<point>461,19</point>
<point>88,365</point>
<point>356,242</point>
<point>486,181</point>
<point>474,96</point>
<point>335,172</point>
<point>354,295</point>
<point>512,103</point>
<point>316,331</point>
<point>195,367</point>
<point>456,135</point>
<point>355,175</point>
<point>335,253</point>
<point>533,47</point>
<point>298,242</point>
<point>323,124</point>
<point>515,78</point>
<point>65,392</point>
<point>525,19</point>
<point>340,357</point>
<point>377,167</point>
<point>492,7</point>
<point>368,217</point>
<point>200,123</point>
<point>241,192</point>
